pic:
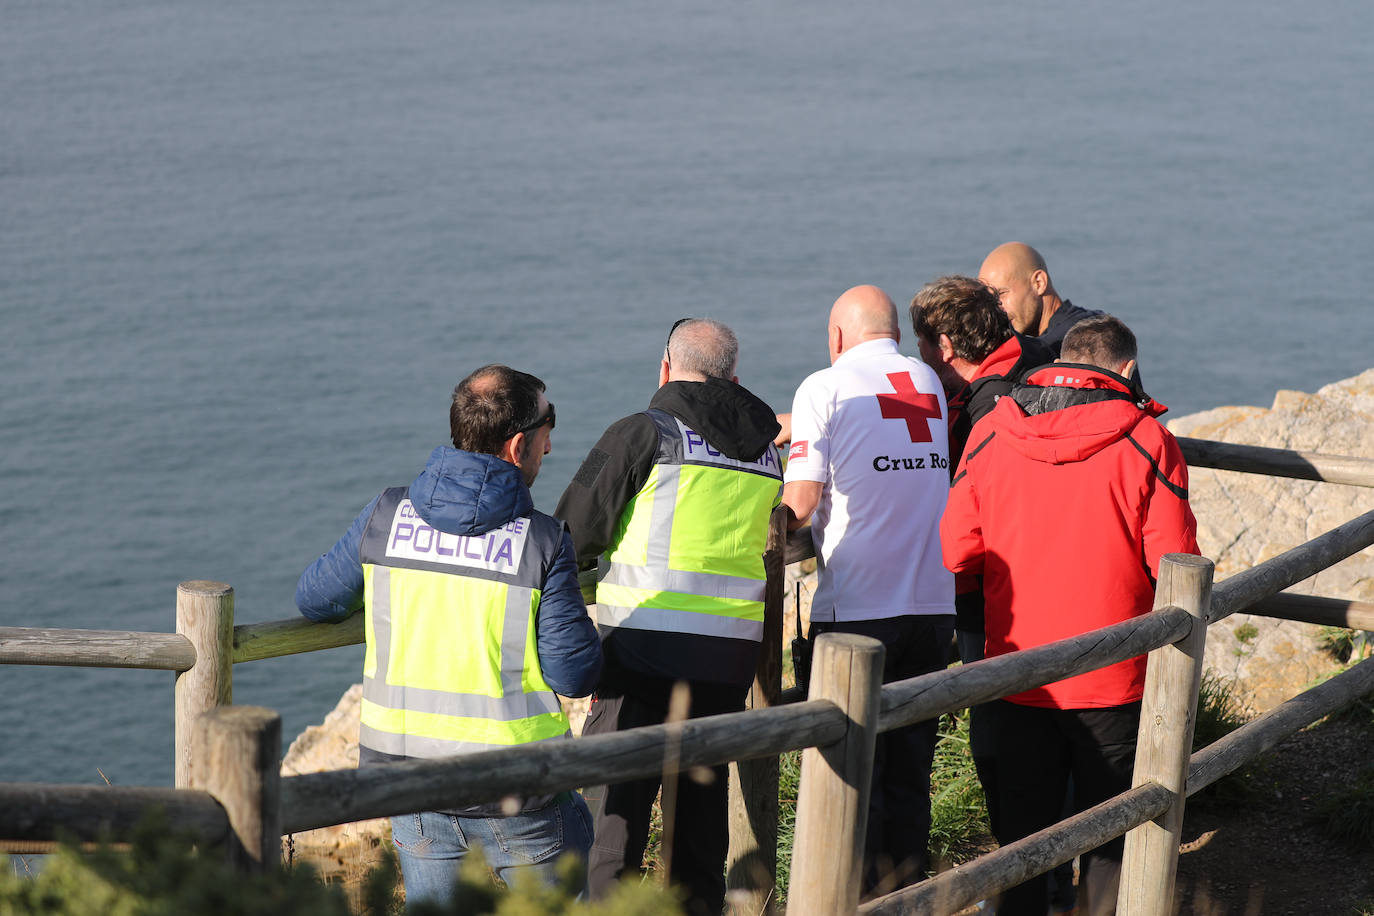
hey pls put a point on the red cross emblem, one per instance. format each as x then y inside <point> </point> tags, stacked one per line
<point>910,405</point>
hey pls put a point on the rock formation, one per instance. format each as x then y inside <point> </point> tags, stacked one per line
<point>1245,519</point>
<point>344,852</point>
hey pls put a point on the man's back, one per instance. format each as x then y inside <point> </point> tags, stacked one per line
<point>1065,510</point>
<point>871,428</point>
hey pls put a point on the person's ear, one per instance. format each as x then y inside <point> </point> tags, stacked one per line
<point>513,449</point>
<point>1127,369</point>
<point>663,371</point>
<point>946,348</point>
<point>1040,281</point>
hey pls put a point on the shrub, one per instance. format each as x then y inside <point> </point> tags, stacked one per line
<point>1349,810</point>
<point>164,874</point>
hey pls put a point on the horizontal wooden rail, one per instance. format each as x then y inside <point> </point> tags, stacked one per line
<point>930,695</point>
<point>1014,863</point>
<point>95,649</point>
<point>1290,567</point>
<point>341,796</point>
<point>1260,734</point>
<point>1331,612</point>
<point>256,641</point>
<point>1277,462</point>
<point>799,546</point>
<point>46,812</point>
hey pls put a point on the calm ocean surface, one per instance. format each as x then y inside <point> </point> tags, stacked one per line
<point>247,249</point>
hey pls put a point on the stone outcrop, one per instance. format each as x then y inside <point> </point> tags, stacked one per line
<point>344,851</point>
<point>1245,519</point>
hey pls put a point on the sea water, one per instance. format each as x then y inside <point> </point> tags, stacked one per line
<point>247,249</point>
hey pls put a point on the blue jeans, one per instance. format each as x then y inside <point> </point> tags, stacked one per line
<point>430,845</point>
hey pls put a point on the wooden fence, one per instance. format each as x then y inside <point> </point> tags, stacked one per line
<point>229,790</point>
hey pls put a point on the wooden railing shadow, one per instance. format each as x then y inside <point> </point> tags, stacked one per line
<point>229,790</point>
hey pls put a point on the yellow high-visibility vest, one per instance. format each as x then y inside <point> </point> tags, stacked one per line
<point>451,664</point>
<point>687,556</point>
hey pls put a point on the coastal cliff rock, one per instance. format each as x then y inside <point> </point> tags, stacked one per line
<point>1245,519</point>
<point>346,851</point>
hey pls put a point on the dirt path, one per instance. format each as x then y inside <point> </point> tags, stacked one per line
<point>1262,848</point>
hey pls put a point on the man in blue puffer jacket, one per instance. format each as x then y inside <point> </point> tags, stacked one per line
<point>457,573</point>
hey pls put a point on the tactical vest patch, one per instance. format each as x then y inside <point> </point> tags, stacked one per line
<point>498,550</point>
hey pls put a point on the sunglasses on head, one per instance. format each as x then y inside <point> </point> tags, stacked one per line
<point>675,326</point>
<point>550,418</point>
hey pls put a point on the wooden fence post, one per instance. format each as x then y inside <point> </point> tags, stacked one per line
<point>236,754</point>
<point>205,616</point>
<point>832,803</point>
<point>1168,713</point>
<point>751,872</point>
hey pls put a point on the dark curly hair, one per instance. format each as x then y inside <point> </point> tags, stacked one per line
<point>964,309</point>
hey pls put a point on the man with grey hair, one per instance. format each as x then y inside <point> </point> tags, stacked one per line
<point>670,511</point>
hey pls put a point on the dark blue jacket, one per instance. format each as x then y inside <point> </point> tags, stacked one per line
<point>468,494</point>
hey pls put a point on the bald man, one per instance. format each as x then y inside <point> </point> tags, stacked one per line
<point>1018,273</point>
<point>869,469</point>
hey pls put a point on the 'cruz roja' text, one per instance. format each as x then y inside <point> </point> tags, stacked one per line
<point>895,463</point>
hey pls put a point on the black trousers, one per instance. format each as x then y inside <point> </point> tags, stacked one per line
<point>897,846</point>
<point>1040,749</point>
<point>620,813</point>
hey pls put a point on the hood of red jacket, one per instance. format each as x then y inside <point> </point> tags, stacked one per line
<point>1067,412</point>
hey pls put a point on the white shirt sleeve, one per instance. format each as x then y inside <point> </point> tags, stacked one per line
<point>808,458</point>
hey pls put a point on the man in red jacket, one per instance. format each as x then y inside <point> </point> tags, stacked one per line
<point>1068,494</point>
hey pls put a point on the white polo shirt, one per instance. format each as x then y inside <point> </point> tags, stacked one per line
<point>873,430</point>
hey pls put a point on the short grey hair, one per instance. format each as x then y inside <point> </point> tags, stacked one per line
<point>703,346</point>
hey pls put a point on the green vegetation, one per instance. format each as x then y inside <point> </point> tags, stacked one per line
<point>958,811</point>
<point>789,782</point>
<point>1244,634</point>
<point>1345,645</point>
<point>1349,810</point>
<point>164,874</point>
<point>480,894</point>
<point>1221,709</point>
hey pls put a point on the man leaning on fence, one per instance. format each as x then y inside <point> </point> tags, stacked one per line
<point>670,511</point>
<point>1068,494</point>
<point>458,572</point>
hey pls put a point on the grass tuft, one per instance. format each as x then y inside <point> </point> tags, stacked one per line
<point>1349,810</point>
<point>958,810</point>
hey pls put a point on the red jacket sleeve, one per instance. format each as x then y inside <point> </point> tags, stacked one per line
<point>961,528</point>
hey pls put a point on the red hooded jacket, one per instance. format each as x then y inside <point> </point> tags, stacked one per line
<point>1068,494</point>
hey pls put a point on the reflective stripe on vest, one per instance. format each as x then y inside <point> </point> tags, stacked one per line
<point>451,664</point>
<point>689,557</point>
